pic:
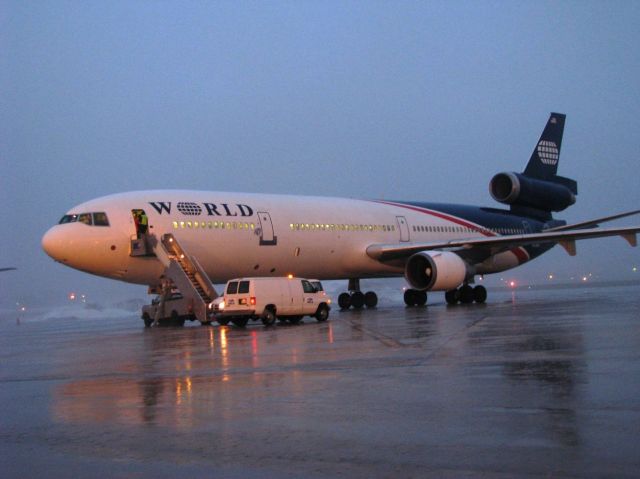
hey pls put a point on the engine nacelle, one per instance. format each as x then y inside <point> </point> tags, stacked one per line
<point>435,271</point>
<point>520,190</point>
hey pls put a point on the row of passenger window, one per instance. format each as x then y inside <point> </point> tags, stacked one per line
<point>339,227</point>
<point>222,225</point>
<point>91,219</point>
<point>462,229</point>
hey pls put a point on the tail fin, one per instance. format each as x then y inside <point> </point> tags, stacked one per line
<point>543,163</point>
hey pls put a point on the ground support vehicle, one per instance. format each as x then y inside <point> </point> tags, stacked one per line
<point>286,299</point>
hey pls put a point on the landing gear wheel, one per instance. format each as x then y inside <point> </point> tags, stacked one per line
<point>222,321</point>
<point>268,317</point>
<point>344,300</point>
<point>466,294</point>
<point>240,322</point>
<point>357,300</point>
<point>409,297</point>
<point>323,313</point>
<point>413,297</point>
<point>370,299</point>
<point>420,298</point>
<point>452,296</point>
<point>479,294</point>
<point>147,320</point>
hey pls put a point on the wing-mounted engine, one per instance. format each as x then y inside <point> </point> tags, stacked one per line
<point>435,271</point>
<point>516,189</point>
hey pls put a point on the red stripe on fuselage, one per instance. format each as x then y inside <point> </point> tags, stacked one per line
<point>520,253</point>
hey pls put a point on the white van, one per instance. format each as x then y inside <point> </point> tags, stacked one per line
<point>287,299</point>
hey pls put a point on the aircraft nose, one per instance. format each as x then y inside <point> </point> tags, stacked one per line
<point>54,244</point>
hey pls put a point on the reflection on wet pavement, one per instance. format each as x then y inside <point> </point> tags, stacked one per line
<point>539,384</point>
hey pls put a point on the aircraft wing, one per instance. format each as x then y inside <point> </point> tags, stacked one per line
<point>592,223</point>
<point>497,244</point>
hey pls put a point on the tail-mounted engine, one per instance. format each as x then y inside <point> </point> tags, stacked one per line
<point>517,189</point>
<point>435,271</point>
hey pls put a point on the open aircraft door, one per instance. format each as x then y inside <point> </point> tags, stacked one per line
<point>267,235</point>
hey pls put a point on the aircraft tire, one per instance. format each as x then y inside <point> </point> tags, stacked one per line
<point>466,294</point>
<point>370,299</point>
<point>410,297</point>
<point>452,296</point>
<point>344,300</point>
<point>420,298</point>
<point>357,300</point>
<point>479,294</point>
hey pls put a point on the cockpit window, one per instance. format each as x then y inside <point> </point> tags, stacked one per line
<point>85,218</point>
<point>68,219</point>
<point>100,219</point>
<point>91,219</point>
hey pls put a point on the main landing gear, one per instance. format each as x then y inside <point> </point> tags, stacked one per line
<point>355,298</point>
<point>466,294</point>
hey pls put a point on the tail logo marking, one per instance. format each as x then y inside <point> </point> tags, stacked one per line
<point>548,152</point>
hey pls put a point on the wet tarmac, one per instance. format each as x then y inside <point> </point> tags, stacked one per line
<point>533,384</point>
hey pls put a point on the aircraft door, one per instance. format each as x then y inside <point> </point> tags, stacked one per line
<point>267,235</point>
<point>403,226</point>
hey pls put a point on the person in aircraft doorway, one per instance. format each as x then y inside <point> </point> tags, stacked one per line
<point>143,223</point>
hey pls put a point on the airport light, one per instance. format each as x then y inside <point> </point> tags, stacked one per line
<point>634,269</point>
<point>72,296</point>
<point>512,284</point>
<point>551,276</point>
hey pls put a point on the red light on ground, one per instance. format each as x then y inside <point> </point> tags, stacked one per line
<point>72,296</point>
<point>512,284</point>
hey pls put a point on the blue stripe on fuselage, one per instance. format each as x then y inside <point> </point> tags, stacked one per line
<point>492,219</point>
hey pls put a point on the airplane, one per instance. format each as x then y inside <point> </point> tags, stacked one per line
<point>7,269</point>
<point>134,236</point>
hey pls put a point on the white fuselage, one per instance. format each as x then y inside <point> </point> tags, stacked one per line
<point>237,234</point>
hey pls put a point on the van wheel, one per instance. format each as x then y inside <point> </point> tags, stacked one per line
<point>147,320</point>
<point>323,313</point>
<point>240,322</point>
<point>268,317</point>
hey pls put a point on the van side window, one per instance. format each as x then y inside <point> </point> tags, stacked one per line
<point>244,287</point>
<point>232,288</point>
<point>308,287</point>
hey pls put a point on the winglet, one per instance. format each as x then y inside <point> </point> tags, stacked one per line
<point>569,246</point>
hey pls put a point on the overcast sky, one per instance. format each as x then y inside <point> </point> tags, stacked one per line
<point>401,100</point>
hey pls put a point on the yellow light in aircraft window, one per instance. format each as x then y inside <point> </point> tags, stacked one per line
<point>182,224</point>
<point>196,224</point>
<point>210,224</point>
<point>253,226</point>
<point>290,276</point>
<point>189,225</point>
<point>228,225</point>
<point>290,225</point>
<point>175,225</point>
